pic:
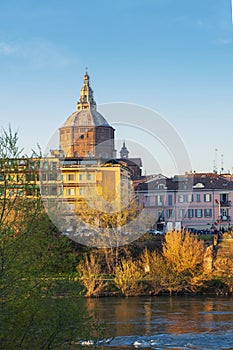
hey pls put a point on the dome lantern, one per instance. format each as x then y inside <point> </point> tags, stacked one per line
<point>86,99</point>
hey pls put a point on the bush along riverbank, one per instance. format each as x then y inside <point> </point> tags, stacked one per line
<point>183,265</point>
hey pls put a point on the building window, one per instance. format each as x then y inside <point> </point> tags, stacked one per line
<point>53,191</point>
<point>160,216</point>
<point>189,198</point>
<point>198,213</point>
<point>70,191</point>
<point>224,214</point>
<point>81,177</point>
<point>53,176</point>
<point>198,198</point>
<point>169,213</point>
<point>159,200</point>
<point>198,185</point>
<point>190,213</point>
<point>54,165</point>
<point>44,190</point>
<point>207,213</point>
<point>182,213</point>
<point>180,198</point>
<point>147,201</point>
<point>81,191</point>
<point>71,177</point>
<point>207,197</point>
<point>170,199</point>
<point>90,176</point>
<point>161,186</point>
<point>224,198</point>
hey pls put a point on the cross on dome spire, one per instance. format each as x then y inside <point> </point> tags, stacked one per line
<point>86,100</point>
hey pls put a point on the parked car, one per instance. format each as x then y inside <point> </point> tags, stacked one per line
<point>156,232</point>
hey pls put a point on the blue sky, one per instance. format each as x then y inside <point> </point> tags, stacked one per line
<point>172,56</point>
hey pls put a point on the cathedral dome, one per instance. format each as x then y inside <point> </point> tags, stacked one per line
<point>86,131</point>
<point>86,117</point>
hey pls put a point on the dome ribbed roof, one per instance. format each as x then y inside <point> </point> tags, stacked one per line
<point>86,117</point>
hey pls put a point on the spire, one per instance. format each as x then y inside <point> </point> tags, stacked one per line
<point>124,151</point>
<point>86,100</point>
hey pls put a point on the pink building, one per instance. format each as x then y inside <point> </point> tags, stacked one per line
<point>194,200</point>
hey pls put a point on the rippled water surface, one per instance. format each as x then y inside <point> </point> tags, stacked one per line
<point>167,323</point>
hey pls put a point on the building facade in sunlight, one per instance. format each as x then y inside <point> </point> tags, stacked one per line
<point>195,201</point>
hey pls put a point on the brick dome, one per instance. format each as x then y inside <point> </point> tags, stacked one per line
<point>86,117</point>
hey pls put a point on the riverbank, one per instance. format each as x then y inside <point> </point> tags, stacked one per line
<point>183,264</point>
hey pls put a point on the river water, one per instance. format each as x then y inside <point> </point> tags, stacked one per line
<point>180,322</point>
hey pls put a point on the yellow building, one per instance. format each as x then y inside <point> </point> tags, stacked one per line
<point>106,186</point>
<point>71,179</point>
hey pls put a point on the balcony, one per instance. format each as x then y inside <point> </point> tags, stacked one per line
<point>225,203</point>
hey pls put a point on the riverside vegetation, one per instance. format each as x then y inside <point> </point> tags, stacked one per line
<point>183,265</point>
